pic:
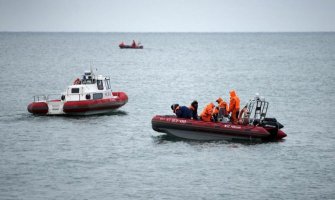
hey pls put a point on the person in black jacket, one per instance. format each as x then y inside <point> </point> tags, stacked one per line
<point>194,109</point>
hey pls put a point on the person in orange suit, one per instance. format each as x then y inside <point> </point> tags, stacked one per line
<point>207,112</point>
<point>223,106</point>
<point>234,106</point>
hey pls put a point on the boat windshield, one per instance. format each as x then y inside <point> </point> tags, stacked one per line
<point>108,83</point>
<point>88,79</point>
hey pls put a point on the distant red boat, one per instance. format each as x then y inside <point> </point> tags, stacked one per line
<point>132,46</point>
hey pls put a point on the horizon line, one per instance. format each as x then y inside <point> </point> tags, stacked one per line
<point>167,32</point>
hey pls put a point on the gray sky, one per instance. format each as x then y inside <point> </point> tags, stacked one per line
<point>167,15</point>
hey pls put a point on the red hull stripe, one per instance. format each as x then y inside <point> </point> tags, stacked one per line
<point>77,108</point>
<point>94,105</point>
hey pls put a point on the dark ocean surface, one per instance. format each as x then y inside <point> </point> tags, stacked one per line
<point>119,156</point>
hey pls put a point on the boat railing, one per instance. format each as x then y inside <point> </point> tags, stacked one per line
<point>257,109</point>
<point>53,97</point>
<point>45,98</point>
<point>70,97</point>
<point>40,98</point>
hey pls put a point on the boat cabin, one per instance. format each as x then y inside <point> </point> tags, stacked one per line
<point>89,87</point>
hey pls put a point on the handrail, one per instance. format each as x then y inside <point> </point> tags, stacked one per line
<point>43,97</point>
<point>257,109</point>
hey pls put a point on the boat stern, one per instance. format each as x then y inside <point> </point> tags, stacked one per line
<point>280,135</point>
<point>38,108</point>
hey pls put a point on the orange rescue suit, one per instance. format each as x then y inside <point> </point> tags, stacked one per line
<point>207,112</point>
<point>234,106</point>
<point>222,104</point>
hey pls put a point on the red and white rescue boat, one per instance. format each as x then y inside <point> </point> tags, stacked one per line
<point>89,95</point>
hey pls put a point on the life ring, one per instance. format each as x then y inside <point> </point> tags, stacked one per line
<point>77,82</point>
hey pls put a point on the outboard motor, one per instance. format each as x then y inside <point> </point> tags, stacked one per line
<point>272,123</point>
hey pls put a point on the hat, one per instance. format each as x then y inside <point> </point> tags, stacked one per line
<point>174,106</point>
<point>219,100</point>
<point>194,104</point>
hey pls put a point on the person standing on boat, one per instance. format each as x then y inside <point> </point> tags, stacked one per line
<point>207,112</point>
<point>234,106</point>
<point>194,109</point>
<point>133,44</point>
<point>181,111</point>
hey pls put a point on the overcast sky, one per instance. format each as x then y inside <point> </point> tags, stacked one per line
<point>167,15</point>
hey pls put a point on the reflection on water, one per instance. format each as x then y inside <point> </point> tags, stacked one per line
<point>165,138</point>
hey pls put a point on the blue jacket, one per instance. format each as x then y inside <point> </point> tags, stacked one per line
<point>183,112</point>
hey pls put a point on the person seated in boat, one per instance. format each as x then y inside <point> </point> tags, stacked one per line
<point>234,106</point>
<point>207,113</point>
<point>77,82</point>
<point>121,44</point>
<point>215,114</point>
<point>243,117</point>
<point>181,111</point>
<point>133,44</point>
<point>221,111</point>
<point>194,109</point>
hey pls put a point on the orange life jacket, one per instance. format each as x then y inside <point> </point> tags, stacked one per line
<point>234,103</point>
<point>207,112</point>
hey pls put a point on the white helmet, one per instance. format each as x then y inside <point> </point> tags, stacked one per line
<point>256,96</point>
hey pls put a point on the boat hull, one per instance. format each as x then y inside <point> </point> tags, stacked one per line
<point>208,131</point>
<point>39,108</point>
<point>130,47</point>
<point>85,107</point>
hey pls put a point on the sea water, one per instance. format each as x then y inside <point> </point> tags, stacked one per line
<point>119,156</point>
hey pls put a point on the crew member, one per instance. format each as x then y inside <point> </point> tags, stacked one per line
<point>207,112</point>
<point>133,44</point>
<point>243,117</point>
<point>181,111</point>
<point>194,109</point>
<point>221,110</point>
<point>77,82</point>
<point>234,106</point>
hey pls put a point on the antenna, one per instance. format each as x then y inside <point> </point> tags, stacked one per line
<point>91,63</point>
